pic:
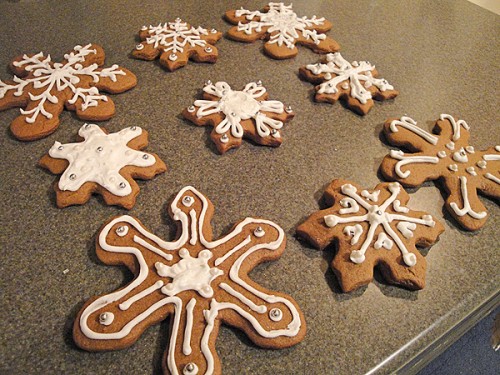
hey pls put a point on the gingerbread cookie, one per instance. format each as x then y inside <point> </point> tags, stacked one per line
<point>177,42</point>
<point>372,228</point>
<point>102,163</point>
<point>198,281</point>
<point>444,155</point>
<point>282,28</point>
<point>355,83</point>
<point>237,114</point>
<point>44,88</point>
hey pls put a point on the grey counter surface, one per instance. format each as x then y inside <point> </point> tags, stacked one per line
<point>443,57</point>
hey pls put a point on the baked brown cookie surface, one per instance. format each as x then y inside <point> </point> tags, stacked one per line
<point>283,30</point>
<point>235,115</point>
<point>355,83</point>
<point>175,43</point>
<point>197,281</point>
<point>446,156</point>
<point>372,228</point>
<point>44,88</point>
<point>102,163</point>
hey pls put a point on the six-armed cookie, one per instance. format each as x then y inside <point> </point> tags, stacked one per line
<point>372,228</point>
<point>177,42</point>
<point>198,281</point>
<point>355,82</point>
<point>237,114</point>
<point>102,163</point>
<point>444,155</point>
<point>44,88</point>
<point>282,28</point>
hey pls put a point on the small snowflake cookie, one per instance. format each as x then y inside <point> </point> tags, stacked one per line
<point>43,88</point>
<point>177,42</point>
<point>102,163</point>
<point>197,281</point>
<point>282,28</point>
<point>372,228</point>
<point>237,114</point>
<point>355,82</point>
<point>446,156</point>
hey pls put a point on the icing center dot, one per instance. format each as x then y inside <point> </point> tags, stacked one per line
<point>240,104</point>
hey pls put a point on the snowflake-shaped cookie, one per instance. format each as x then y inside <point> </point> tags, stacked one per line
<point>102,163</point>
<point>355,82</point>
<point>372,228</point>
<point>446,156</point>
<point>237,114</point>
<point>177,42</point>
<point>44,88</point>
<point>197,281</point>
<point>279,24</point>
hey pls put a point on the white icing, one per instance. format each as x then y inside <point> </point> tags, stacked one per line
<point>469,149</point>
<point>370,196</point>
<point>398,208</point>
<point>350,206</point>
<point>406,228</point>
<point>354,231</point>
<point>466,204</point>
<point>259,232</point>
<point>275,314</point>
<point>450,145</point>
<point>489,176</point>
<point>106,318</point>
<point>57,77</point>
<point>481,164</point>
<point>453,167</point>
<point>441,154</point>
<point>471,171</point>
<point>376,217</point>
<point>238,106</point>
<point>174,36</point>
<point>404,160</point>
<point>122,231</point>
<point>190,369</point>
<point>348,76</point>
<point>411,125</point>
<point>491,157</point>
<point>189,274</point>
<point>460,156</point>
<point>186,345</point>
<point>455,125</point>
<point>282,24</point>
<point>99,158</point>
<point>125,305</point>
<point>261,309</point>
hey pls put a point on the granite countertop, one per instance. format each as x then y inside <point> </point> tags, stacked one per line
<point>441,56</point>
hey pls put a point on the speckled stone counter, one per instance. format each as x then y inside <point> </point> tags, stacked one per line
<point>441,56</point>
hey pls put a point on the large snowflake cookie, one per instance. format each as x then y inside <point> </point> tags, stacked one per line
<point>237,114</point>
<point>446,156</point>
<point>198,281</point>
<point>43,88</point>
<point>282,28</point>
<point>355,82</point>
<point>372,228</point>
<point>102,163</point>
<point>177,42</point>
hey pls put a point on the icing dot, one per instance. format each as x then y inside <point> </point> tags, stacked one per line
<point>122,230</point>
<point>139,47</point>
<point>99,149</point>
<point>481,164</point>
<point>469,149</point>
<point>259,232</point>
<point>275,133</point>
<point>345,85</point>
<point>441,154</point>
<point>87,126</point>
<point>259,83</point>
<point>450,145</point>
<point>355,64</point>
<point>275,314</point>
<point>145,156</point>
<point>289,109</point>
<point>187,201</point>
<point>133,128</point>
<point>172,57</point>
<point>224,138</point>
<point>60,147</point>
<point>144,28</point>
<point>72,176</point>
<point>106,318</point>
<point>190,369</point>
<point>379,212</point>
<point>208,49</point>
<point>453,167</point>
<point>328,76</point>
<point>213,31</point>
<point>233,114</point>
<point>122,185</point>
<point>207,83</point>
<point>191,108</point>
<point>471,171</point>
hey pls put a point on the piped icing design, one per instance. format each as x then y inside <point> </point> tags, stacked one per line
<point>356,83</point>
<point>446,156</point>
<point>44,87</point>
<point>237,114</point>
<point>198,281</point>
<point>174,43</point>
<point>371,232</point>
<point>100,159</point>
<point>284,28</point>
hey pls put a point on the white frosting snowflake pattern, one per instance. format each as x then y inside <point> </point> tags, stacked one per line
<point>56,77</point>
<point>283,24</point>
<point>356,76</point>
<point>466,169</point>
<point>377,216</point>
<point>241,105</point>
<point>99,158</point>
<point>192,279</point>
